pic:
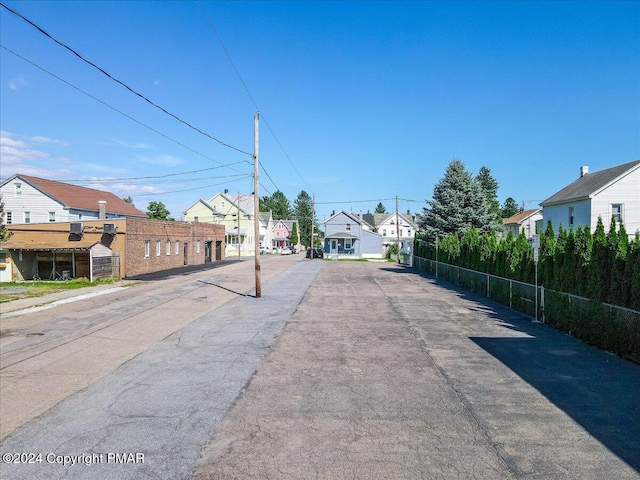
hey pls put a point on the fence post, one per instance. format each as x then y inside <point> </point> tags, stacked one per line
<point>488,292</point>
<point>510,286</point>
<point>542,301</point>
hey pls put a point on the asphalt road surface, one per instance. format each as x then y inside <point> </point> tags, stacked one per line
<point>341,370</point>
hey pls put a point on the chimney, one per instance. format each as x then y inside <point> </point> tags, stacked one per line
<point>584,170</point>
<point>226,190</point>
<point>102,209</point>
<point>408,212</point>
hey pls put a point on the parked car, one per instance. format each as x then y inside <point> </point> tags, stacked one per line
<point>317,252</point>
<point>293,249</point>
<point>285,251</point>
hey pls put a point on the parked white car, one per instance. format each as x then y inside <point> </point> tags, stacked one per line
<point>285,251</point>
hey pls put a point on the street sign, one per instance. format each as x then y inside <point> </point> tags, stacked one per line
<point>535,242</point>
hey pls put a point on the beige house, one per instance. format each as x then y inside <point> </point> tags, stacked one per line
<point>235,212</point>
<point>524,221</point>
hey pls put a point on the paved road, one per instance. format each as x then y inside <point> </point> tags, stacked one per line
<point>382,373</point>
<point>378,373</point>
<point>52,351</point>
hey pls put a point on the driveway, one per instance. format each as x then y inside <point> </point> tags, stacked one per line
<point>354,370</point>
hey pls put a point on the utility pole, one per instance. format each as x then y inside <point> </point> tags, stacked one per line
<point>238,225</point>
<point>397,232</point>
<point>313,215</point>
<point>256,205</point>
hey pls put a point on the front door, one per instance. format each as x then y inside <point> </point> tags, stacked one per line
<point>334,246</point>
<point>207,252</point>
<point>218,250</point>
<point>185,253</point>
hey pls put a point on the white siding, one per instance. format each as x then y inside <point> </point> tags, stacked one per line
<point>31,200</point>
<point>559,214</point>
<point>625,191</point>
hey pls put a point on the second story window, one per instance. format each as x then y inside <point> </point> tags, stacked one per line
<point>570,216</point>
<point>52,216</point>
<point>348,227</point>
<point>616,213</point>
<point>9,218</point>
<point>18,189</point>
<point>27,217</point>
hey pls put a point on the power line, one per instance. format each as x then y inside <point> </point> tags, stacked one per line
<point>113,180</point>
<point>215,32</point>
<point>189,189</point>
<point>104,72</point>
<point>119,111</point>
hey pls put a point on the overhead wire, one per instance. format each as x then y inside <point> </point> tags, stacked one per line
<point>120,111</point>
<point>108,75</point>
<point>215,32</point>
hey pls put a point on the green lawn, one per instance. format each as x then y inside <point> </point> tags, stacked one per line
<point>16,290</point>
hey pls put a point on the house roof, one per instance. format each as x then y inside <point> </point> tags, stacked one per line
<point>520,217</point>
<point>340,235</point>
<point>590,184</point>
<point>206,204</point>
<point>81,198</point>
<point>352,216</point>
<point>245,202</point>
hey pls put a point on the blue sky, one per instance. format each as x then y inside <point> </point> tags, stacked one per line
<point>360,101</point>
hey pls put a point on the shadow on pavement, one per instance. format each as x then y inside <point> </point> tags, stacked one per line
<point>596,389</point>
<point>181,271</point>
<point>599,393</point>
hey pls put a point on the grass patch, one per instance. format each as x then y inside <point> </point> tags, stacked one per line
<point>17,290</point>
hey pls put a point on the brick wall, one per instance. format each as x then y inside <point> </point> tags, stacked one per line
<point>140,231</point>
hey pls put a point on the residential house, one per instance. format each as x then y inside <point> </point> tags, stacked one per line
<point>281,234</point>
<point>348,234</point>
<point>30,199</point>
<point>119,248</point>
<point>391,228</point>
<point>235,212</point>
<point>525,221</point>
<point>610,193</point>
<point>266,229</point>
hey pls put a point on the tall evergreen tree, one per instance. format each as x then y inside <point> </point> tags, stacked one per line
<point>278,204</point>
<point>294,234</point>
<point>490,188</point>
<point>303,211</point>
<point>458,204</point>
<point>509,208</point>
<point>380,208</point>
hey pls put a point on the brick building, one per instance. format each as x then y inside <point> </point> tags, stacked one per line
<point>119,247</point>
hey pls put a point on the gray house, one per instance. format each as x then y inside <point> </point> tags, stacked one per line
<point>348,235</point>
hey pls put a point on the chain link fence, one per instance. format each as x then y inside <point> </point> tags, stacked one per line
<point>613,328</point>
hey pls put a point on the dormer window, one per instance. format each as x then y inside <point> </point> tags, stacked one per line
<point>18,189</point>
<point>348,227</point>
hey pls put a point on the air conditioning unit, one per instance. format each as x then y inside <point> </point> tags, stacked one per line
<point>109,228</point>
<point>76,228</point>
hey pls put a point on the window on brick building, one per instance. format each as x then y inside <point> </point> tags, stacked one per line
<point>146,248</point>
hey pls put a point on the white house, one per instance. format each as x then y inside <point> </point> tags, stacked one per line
<point>610,193</point>
<point>30,199</point>
<point>524,221</point>
<point>391,228</point>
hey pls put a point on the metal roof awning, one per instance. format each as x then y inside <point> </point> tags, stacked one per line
<point>63,245</point>
<point>341,235</point>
